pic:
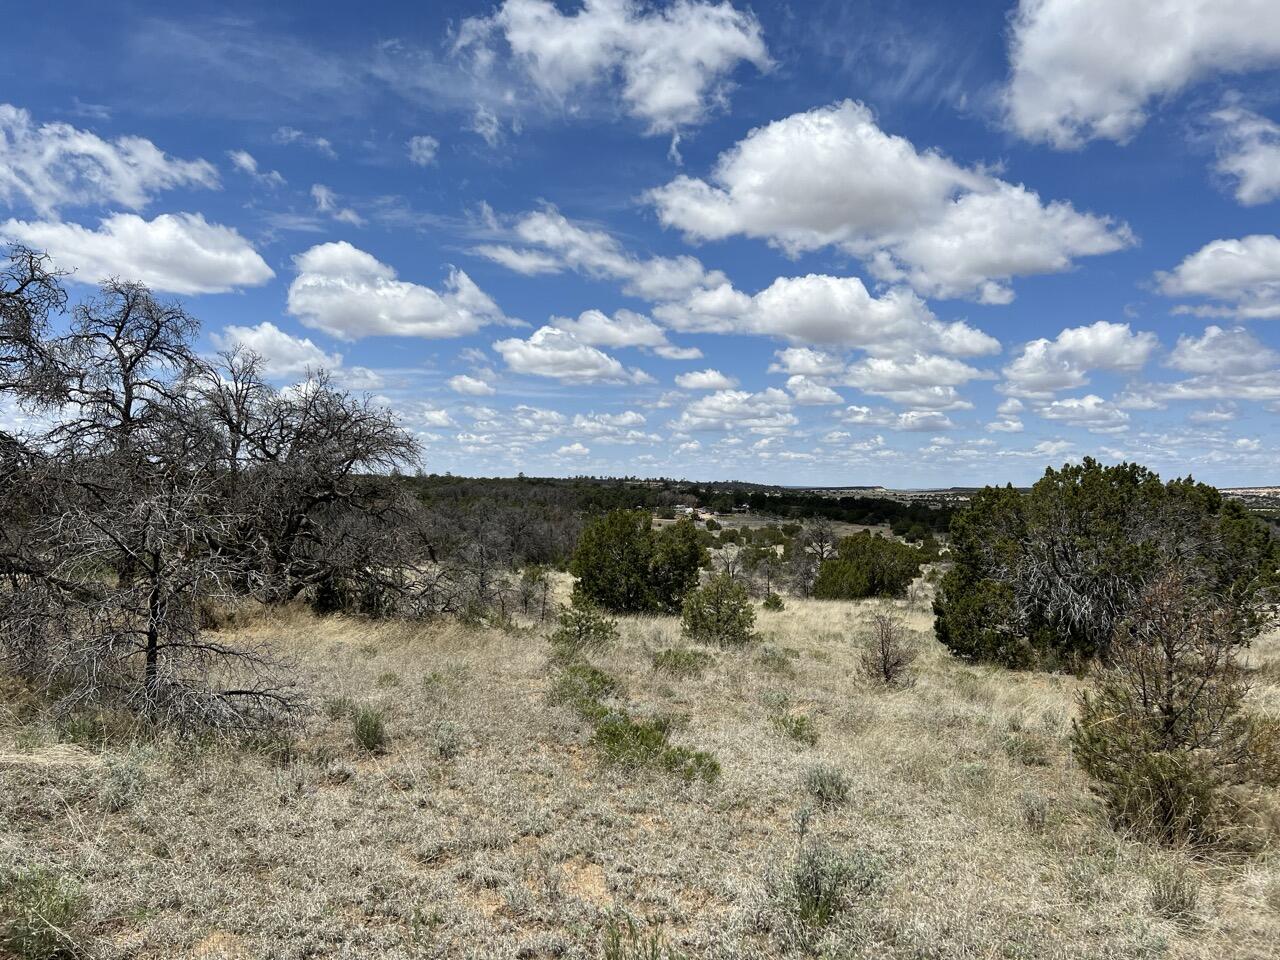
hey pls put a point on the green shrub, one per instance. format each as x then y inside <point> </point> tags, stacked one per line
<point>1163,732</point>
<point>797,727</point>
<point>625,566</point>
<point>582,630</point>
<point>868,565</point>
<point>40,916</point>
<point>681,662</point>
<point>773,602</point>
<point>816,890</point>
<point>369,728</point>
<point>628,742</point>
<point>719,613</point>
<point>1028,570</point>
<point>828,786</point>
<point>620,738</point>
<point>583,688</point>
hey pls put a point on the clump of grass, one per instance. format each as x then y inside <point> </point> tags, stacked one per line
<point>777,659</point>
<point>821,882</point>
<point>619,737</point>
<point>447,739</point>
<point>681,662</point>
<point>624,940</point>
<point>446,683</point>
<point>1174,893</point>
<point>369,727</point>
<point>40,916</point>
<point>1035,813</point>
<point>338,707</point>
<point>1027,748</point>
<point>776,701</point>
<point>797,727</point>
<point>97,727</point>
<point>387,679</point>
<point>630,742</point>
<point>828,786</point>
<point>19,701</point>
<point>276,745</point>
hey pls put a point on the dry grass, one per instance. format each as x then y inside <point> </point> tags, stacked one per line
<point>486,827</point>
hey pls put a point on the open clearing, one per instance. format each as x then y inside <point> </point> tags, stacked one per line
<point>489,828</point>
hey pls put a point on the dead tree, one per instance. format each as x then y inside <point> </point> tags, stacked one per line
<point>888,656</point>
<point>30,294</point>
<point>307,469</point>
<point>114,519</point>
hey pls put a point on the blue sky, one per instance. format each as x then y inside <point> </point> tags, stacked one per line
<point>837,243</point>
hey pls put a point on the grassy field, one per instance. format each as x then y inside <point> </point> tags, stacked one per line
<point>946,820</point>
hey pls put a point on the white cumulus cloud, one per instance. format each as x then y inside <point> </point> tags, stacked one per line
<point>705,380</point>
<point>669,64</point>
<point>1249,154</point>
<point>174,252</point>
<point>1045,366</point>
<point>925,381</point>
<point>1091,412</point>
<point>766,412</point>
<point>283,354</point>
<point>57,165</point>
<point>552,352</point>
<point>471,386</point>
<point>1242,274</point>
<point>624,329</point>
<point>351,294</point>
<point>914,216</point>
<point>1088,69</point>
<point>1227,352</point>
<point>826,310</point>
<point>809,392</point>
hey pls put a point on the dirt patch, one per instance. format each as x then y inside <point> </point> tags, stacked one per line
<point>220,946</point>
<point>586,881</point>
